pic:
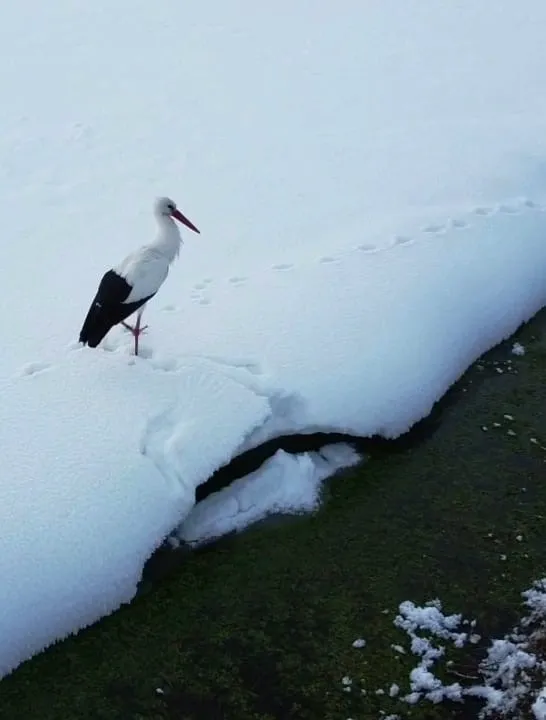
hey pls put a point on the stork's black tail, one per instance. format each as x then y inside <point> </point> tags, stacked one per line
<point>108,308</point>
<point>96,325</point>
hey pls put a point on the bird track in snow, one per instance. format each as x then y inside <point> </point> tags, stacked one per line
<point>508,207</point>
<point>282,266</point>
<point>367,248</point>
<point>457,224</point>
<point>32,368</point>
<point>434,228</point>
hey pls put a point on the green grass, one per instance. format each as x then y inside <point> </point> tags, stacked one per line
<point>260,626</point>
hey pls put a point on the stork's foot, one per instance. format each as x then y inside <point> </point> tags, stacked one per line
<point>135,331</point>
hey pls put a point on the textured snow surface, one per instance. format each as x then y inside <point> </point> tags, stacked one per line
<point>370,189</point>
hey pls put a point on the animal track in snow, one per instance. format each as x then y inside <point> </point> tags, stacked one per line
<point>483,211</point>
<point>434,228</point>
<point>168,308</point>
<point>402,239</point>
<point>509,209</point>
<point>458,224</point>
<point>367,248</point>
<point>282,266</point>
<point>238,280</point>
<point>328,259</point>
<point>204,301</point>
<point>532,205</point>
<point>32,368</point>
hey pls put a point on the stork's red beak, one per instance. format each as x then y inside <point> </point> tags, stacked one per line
<point>178,215</point>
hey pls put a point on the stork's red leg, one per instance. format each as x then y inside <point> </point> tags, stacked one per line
<point>137,331</point>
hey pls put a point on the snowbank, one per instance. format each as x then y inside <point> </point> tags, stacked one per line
<point>81,507</point>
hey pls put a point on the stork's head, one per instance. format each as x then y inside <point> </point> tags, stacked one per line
<point>165,207</point>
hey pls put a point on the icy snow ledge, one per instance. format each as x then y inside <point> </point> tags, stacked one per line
<point>81,509</point>
<point>285,483</point>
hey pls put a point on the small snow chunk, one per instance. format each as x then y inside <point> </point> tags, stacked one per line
<point>359,643</point>
<point>398,649</point>
<point>539,706</point>
<point>429,617</point>
<point>484,428</point>
<point>412,698</point>
<point>160,691</point>
<point>499,370</point>
<point>518,349</point>
<point>448,692</point>
<point>519,538</point>
<point>394,690</point>
<point>346,680</point>
<point>423,679</point>
<point>497,424</point>
<point>533,440</point>
<point>511,432</point>
<point>503,557</point>
<point>508,417</point>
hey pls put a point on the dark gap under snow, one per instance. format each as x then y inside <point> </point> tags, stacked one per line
<point>167,559</point>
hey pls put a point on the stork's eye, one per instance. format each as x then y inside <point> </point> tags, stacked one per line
<point>171,206</point>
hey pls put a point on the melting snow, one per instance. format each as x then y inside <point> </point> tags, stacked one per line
<point>513,674</point>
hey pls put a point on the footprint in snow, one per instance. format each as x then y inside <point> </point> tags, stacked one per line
<point>282,266</point>
<point>238,280</point>
<point>35,367</point>
<point>509,209</point>
<point>168,308</point>
<point>532,205</point>
<point>402,240</point>
<point>483,211</point>
<point>328,259</point>
<point>367,248</point>
<point>200,286</point>
<point>204,301</point>
<point>458,224</point>
<point>433,228</point>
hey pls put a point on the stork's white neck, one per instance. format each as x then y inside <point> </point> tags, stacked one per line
<point>168,238</point>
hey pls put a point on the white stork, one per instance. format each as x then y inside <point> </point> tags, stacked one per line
<point>127,288</point>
